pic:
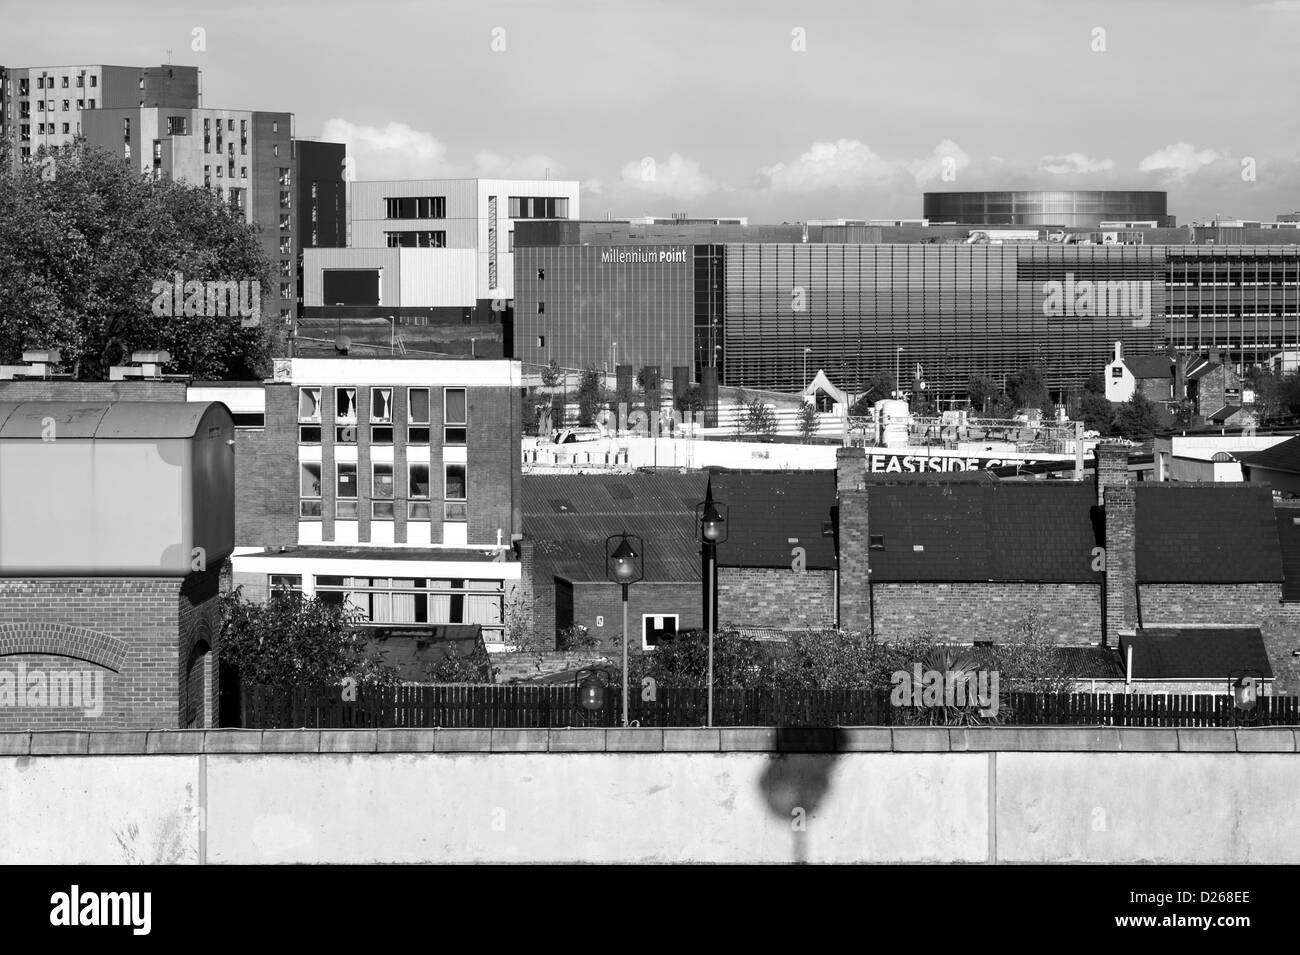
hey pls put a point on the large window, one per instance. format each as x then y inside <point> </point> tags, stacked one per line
<point>345,406</point>
<point>385,600</point>
<point>381,415</point>
<point>425,207</point>
<point>419,507</point>
<point>538,207</point>
<point>309,415</point>
<point>455,503</point>
<point>309,489</point>
<point>381,491</point>
<point>418,403</point>
<point>415,240</point>
<point>455,415</point>
<point>346,505</point>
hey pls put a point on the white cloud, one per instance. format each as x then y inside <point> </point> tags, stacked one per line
<point>495,166</point>
<point>947,159</point>
<point>1073,164</point>
<point>393,151</point>
<point>850,164</point>
<point>1178,161</point>
<point>675,176</point>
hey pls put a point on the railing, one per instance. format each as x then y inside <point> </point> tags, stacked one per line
<point>492,706</point>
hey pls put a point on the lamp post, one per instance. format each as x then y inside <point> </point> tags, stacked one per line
<point>624,565</point>
<point>1245,687</point>
<point>897,358</point>
<point>711,516</point>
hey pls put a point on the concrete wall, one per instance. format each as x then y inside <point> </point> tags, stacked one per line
<point>646,795</point>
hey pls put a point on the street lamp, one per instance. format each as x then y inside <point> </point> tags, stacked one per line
<point>624,565</point>
<point>711,516</point>
<point>897,357</point>
<point>590,688</point>
<point>1245,687</point>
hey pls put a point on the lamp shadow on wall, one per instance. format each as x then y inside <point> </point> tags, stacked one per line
<point>797,779</point>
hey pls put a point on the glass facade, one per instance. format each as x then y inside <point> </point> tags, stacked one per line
<point>1064,207</point>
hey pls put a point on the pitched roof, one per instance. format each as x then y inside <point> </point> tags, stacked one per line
<point>1206,533</point>
<point>1196,653</point>
<point>1150,366</point>
<point>1288,534</point>
<point>767,509</point>
<point>666,560</point>
<point>657,505</point>
<point>1280,457</point>
<point>1034,531</point>
<point>1200,368</point>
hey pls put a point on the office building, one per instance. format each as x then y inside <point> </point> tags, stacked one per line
<point>1078,208</point>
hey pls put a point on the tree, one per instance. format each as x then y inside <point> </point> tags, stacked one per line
<point>294,640</point>
<point>808,420</point>
<point>690,400</point>
<point>1097,413</point>
<point>458,667</point>
<point>876,388</point>
<point>551,374</point>
<point>738,661</point>
<point>536,409</point>
<point>84,242</point>
<point>1136,419</point>
<point>1027,389</point>
<point>981,391</point>
<point>1095,384</point>
<point>1267,388</point>
<point>740,411</point>
<point>590,395</point>
<point>760,419</point>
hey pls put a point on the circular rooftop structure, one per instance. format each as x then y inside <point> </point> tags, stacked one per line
<point>1077,208</point>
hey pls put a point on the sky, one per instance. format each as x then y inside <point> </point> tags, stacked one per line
<point>779,111</point>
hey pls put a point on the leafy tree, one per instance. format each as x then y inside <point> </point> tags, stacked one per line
<point>1095,384</point>
<point>760,419</point>
<point>536,408</point>
<point>738,661</point>
<point>458,667</point>
<point>876,388</point>
<point>808,420</point>
<point>551,374</point>
<point>84,241</point>
<point>1026,387</point>
<point>690,400</point>
<point>1136,419</point>
<point>740,409</point>
<point>1097,413</point>
<point>832,659</point>
<point>1268,392</point>
<point>981,391</point>
<point>590,397</point>
<point>294,640</point>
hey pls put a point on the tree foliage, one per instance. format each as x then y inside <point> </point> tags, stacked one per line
<point>808,420</point>
<point>551,374</point>
<point>590,395</point>
<point>1097,413</point>
<point>295,640</point>
<point>1137,418</point>
<point>84,241</point>
<point>760,419</point>
<point>981,390</point>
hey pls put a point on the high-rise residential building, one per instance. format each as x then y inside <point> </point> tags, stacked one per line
<point>46,105</point>
<point>245,156</point>
<point>322,194</point>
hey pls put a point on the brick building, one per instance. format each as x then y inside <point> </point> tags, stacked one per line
<point>115,518</point>
<point>567,519</point>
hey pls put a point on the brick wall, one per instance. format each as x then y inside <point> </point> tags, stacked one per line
<point>494,465</point>
<point>780,599</point>
<point>855,586</point>
<point>592,599</point>
<point>1121,561</point>
<point>136,635</point>
<point>962,612</point>
<point>266,474</point>
<point>92,390</point>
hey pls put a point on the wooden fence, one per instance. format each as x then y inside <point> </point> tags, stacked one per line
<point>541,706</point>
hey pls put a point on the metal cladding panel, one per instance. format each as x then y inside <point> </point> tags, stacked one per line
<point>118,503</point>
<point>434,278</point>
<point>315,262</point>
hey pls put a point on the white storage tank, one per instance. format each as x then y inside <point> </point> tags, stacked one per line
<point>126,488</point>
<point>891,422</point>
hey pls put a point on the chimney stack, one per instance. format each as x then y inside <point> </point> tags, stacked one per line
<point>1116,494</point>
<point>1119,351</point>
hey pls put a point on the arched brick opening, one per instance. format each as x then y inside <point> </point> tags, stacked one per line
<point>58,639</point>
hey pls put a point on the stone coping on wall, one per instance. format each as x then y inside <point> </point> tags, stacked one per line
<point>868,739</point>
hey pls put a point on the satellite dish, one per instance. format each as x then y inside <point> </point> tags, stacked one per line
<point>342,344</point>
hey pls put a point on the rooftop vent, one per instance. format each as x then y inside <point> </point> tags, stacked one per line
<point>146,365</point>
<point>40,364</point>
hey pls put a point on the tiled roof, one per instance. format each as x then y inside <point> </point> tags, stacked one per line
<point>1288,533</point>
<point>666,559</point>
<point>1196,653</point>
<point>1280,457</point>
<point>1211,534</point>
<point>1150,366</point>
<point>1034,531</point>
<point>766,509</point>
<point>1200,368</point>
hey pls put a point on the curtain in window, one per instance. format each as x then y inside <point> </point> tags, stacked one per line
<point>439,608</point>
<point>482,609</point>
<point>382,608</point>
<point>403,608</point>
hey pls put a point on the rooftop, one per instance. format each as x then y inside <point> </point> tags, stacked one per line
<point>1281,457</point>
<point>1206,533</point>
<point>768,511</point>
<point>1196,653</point>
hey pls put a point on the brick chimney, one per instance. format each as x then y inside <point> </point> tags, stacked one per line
<point>850,469</point>
<point>1115,492</point>
<point>854,586</point>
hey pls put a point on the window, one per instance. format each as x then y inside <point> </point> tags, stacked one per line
<point>309,404</point>
<point>249,419</point>
<point>66,105</point>
<point>243,172</point>
<point>66,129</point>
<point>455,502</point>
<point>220,172</point>
<point>346,505</point>
<point>345,405</point>
<point>510,241</point>
<point>541,308</point>
<point>81,104</point>
<point>418,508</point>
<point>418,405</point>
<point>381,405</point>
<point>284,585</point>
<point>541,341</point>
<point>381,491</point>
<point>284,200</point>
<point>416,207</point>
<point>538,207</point>
<point>387,600</point>
<point>230,125</point>
<point>94,81</point>
<point>65,82</point>
<point>178,126</point>
<point>875,541</point>
<point>415,240</point>
<point>309,504</point>
<point>40,82</point>
<point>284,222</point>
<point>541,275</point>
<point>81,81</point>
<point>275,127</point>
<point>656,628</point>
<point>454,415</point>
<point>92,101</point>
<point>275,150</point>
